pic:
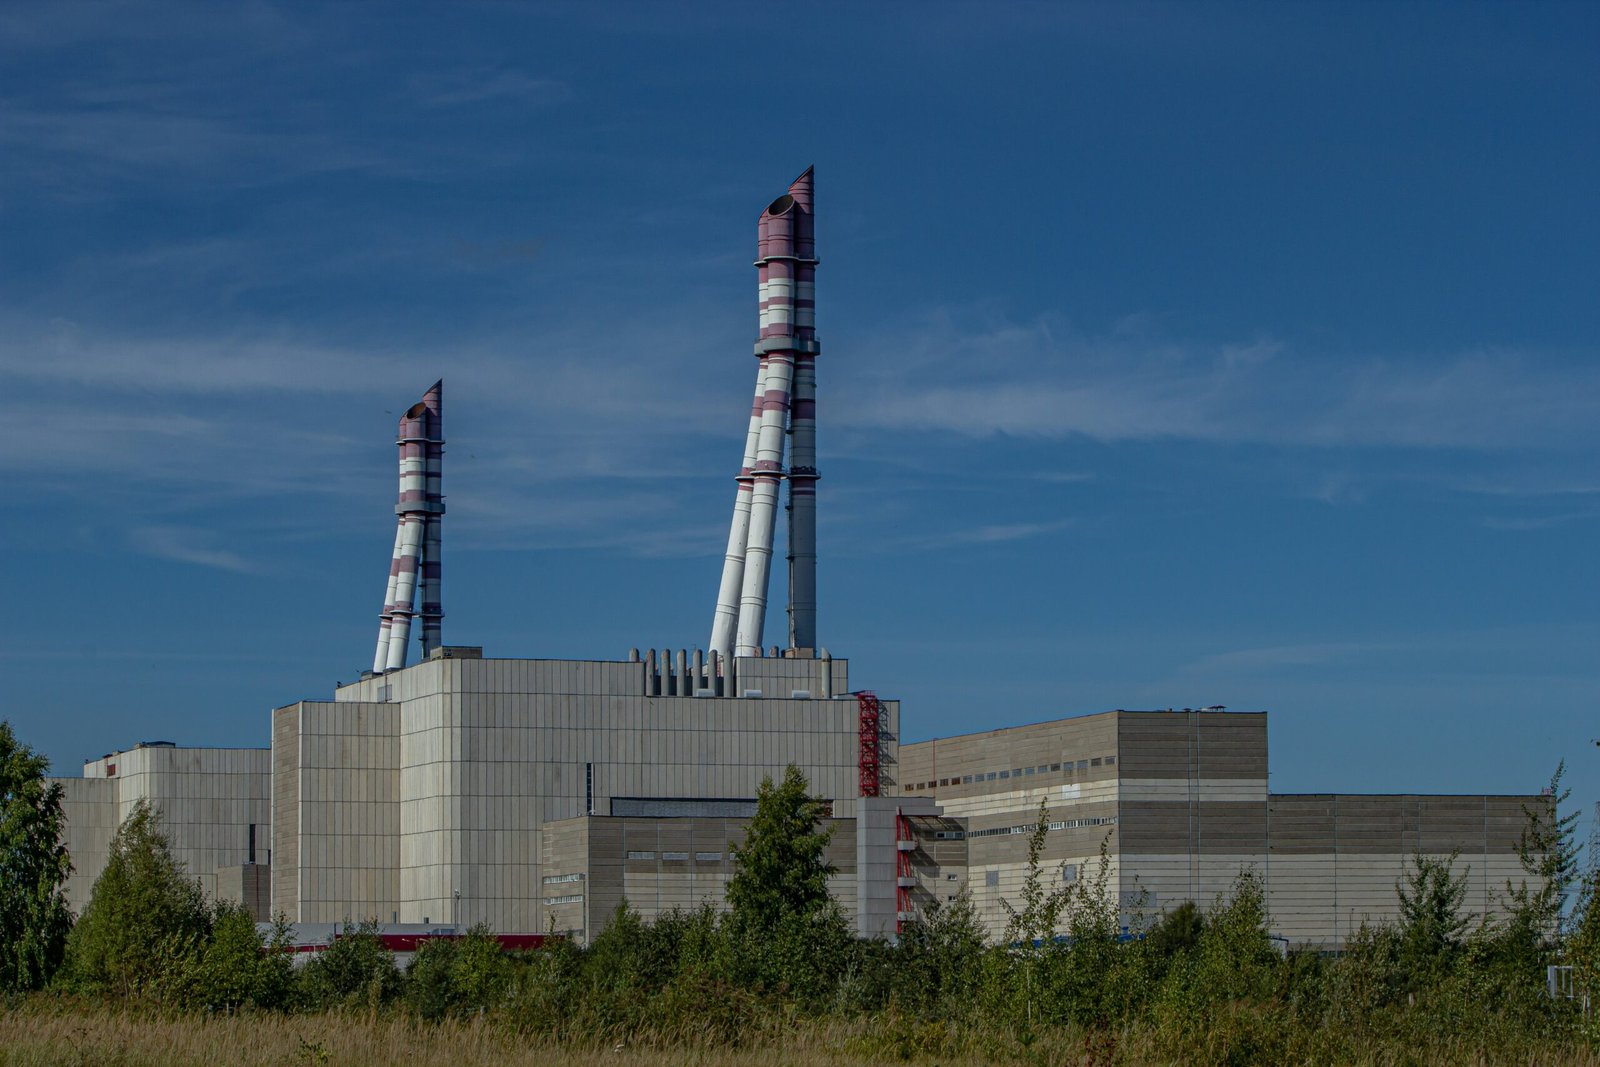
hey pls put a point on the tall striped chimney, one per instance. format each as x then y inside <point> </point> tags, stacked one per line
<point>416,563</point>
<point>786,348</point>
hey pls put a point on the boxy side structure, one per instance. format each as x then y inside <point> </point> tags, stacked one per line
<point>424,794</point>
<point>1180,799</point>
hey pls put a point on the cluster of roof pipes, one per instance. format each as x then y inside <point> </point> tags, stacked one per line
<point>785,411</point>
<point>414,571</point>
<point>705,675</point>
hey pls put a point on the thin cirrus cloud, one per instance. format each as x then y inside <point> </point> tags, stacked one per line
<point>184,544</point>
<point>1040,380</point>
<point>1286,657</point>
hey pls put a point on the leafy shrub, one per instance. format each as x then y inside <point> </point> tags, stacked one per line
<point>146,922</point>
<point>355,971</point>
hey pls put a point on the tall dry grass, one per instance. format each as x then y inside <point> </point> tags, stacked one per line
<point>46,1032</point>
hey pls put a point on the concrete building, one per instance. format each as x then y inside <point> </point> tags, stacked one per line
<point>1180,801</point>
<point>424,794</point>
<point>525,793</point>
<point>214,806</point>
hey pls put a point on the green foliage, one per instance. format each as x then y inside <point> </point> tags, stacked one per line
<point>238,968</point>
<point>1176,934</point>
<point>1203,986</point>
<point>355,971</point>
<point>1583,946</point>
<point>458,978</point>
<point>1036,921</point>
<point>1548,851</point>
<point>34,866</point>
<point>1432,922</point>
<point>936,968</point>
<point>781,870</point>
<point>802,955</point>
<point>1236,959</point>
<point>147,922</point>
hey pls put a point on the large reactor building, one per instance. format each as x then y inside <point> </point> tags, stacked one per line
<point>536,795</point>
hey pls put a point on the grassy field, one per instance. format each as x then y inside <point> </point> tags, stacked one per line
<point>44,1032</point>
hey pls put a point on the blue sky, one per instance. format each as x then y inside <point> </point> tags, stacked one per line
<point>1174,355</point>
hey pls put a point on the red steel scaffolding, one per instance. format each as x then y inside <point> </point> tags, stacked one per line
<point>905,875</point>
<point>867,763</point>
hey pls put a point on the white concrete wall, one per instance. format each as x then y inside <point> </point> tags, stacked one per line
<point>90,806</point>
<point>206,797</point>
<point>485,752</point>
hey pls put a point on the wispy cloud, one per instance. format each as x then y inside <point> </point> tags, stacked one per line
<point>1277,657</point>
<point>1042,379</point>
<point>187,545</point>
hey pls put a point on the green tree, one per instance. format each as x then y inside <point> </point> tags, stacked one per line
<point>1035,922</point>
<point>1176,932</point>
<point>34,866</point>
<point>355,971</point>
<point>938,960</point>
<point>781,871</point>
<point>1432,922</point>
<point>146,919</point>
<point>238,967</point>
<point>1536,906</point>
<point>1236,958</point>
<point>1583,946</point>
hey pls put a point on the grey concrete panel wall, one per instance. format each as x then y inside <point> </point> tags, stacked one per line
<point>956,770</point>
<point>205,798</point>
<point>90,807</point>
<point>248,884</point>
<point>659,865</point>
<point>491,751</point>
<point>1176,826</point>
<point>1226,745</point>
<point>348,839</point>
<point>286,811</point>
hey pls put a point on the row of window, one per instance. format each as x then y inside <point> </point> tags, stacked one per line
<point>1027,828</point>
<point>1067,767</point>
<point>570,898</point>
<point>700,857</point>
<point>554,879</point>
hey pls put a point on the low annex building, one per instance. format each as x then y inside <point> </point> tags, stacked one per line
<point>1180,800</point>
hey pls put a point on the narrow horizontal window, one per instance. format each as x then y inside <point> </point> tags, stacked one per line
<point>641,855</point>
